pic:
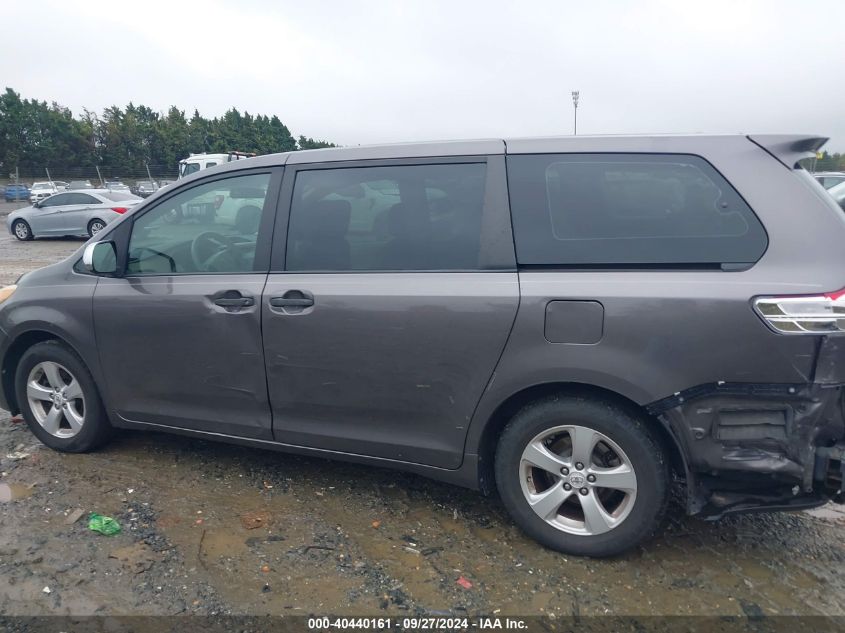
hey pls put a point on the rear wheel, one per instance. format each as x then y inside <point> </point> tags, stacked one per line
<point>582,476</point>
<point>59,400</point>
<point>95,226</point>
<point>21,230</point>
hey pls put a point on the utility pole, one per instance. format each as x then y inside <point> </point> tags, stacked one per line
<point>575,95</point>
<point>48,175</point>
<point>100,176</point>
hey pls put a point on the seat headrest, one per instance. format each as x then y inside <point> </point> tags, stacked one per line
<point>327,218</point>
<point>405,222</point>
<point>248,219</point>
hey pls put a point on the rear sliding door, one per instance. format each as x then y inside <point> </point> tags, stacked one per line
<point>390,299</point>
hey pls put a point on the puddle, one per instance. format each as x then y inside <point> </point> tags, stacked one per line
<point>13,492</point>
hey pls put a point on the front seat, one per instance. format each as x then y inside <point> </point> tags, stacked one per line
<point>410,231</point>
<point>248,219</point>
<point>321,243</point>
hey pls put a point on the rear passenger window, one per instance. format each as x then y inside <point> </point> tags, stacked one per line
<point>412,217</point>
<point>628,209</point>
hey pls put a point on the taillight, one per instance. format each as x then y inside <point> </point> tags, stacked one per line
<point>119,209</point>
<point>806,314</point>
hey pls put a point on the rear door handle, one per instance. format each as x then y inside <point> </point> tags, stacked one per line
<point>291,302</point>
<point>234,302</point>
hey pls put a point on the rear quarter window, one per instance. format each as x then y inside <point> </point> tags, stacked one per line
<point>628,210</point>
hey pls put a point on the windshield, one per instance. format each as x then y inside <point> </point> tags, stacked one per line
<point>189,168</point>
<point>42,185</point>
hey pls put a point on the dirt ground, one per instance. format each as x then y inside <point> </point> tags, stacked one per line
<point>213,529</point>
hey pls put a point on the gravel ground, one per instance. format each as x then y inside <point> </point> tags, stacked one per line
<point>214,529</point>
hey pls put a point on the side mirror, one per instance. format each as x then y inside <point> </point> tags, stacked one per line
<point>100,258</point>
<point>36,205</point>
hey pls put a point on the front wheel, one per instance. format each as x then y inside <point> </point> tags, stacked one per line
<point>21,230</point>
<point>582,476</point>
<point>59,400</point>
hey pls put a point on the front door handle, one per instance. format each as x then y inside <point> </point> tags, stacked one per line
<point>234,302</point>
<point>291,302</point>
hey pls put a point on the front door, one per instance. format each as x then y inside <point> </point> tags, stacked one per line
<point>50,217</point>
<point>396,299</point>
<point>180,334</point>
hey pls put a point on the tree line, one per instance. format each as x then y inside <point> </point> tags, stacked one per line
<point>827,162</point>
<point>35,135</point>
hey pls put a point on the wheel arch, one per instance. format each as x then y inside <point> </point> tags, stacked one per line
<point>14,221</point>
<point>13,354</point>
<point>91,221</point>
<point>485,447</point>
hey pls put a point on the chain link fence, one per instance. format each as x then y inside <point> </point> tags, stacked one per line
<point>97,175</point>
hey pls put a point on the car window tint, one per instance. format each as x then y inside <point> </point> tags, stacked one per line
<point>84,198</point>
<point>628,209</point>
<point>57,200</point>
<point>211,227</point>
<point>414,217</point>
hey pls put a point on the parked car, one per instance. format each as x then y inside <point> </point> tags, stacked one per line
<point>829,179</point>
<point>60,184</point>
<point>41,190</point>
<point>566,320</point>
<point>70,213</point>
<point>117,186</point>
<point>146,188</point>
<point>838,194</point>
<point>75,185</point>
<point>14,192</point>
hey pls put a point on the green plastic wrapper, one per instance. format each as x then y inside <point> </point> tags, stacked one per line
<point>103,525</point>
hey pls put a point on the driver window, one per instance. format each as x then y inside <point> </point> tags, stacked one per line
<point>208,228</point>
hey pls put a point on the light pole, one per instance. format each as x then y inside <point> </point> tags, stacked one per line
<point>575,95</point>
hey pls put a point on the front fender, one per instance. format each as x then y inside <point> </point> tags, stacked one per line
<point>58,303</point>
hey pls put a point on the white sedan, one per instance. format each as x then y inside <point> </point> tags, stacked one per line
<point>41,190</point>
<point>82,213</point>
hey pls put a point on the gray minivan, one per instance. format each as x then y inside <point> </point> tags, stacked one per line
<point>567,321</point>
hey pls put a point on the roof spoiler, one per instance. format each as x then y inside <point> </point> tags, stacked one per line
<point>789,148</point>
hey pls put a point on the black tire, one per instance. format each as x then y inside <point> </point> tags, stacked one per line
<point>628,430</point>
<point>92,226</point>
<point>21,227</point>
<point>96,428</point>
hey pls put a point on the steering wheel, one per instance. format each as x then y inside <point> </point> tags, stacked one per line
<point>208,248</point>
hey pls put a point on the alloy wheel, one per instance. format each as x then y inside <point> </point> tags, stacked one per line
<point>578,480</point>
<point>21,230</point>
<point>56,399</point>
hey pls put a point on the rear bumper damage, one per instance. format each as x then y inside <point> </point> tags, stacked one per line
<point>757,447</point>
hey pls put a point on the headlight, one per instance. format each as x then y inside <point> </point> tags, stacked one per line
<point>7,292</point>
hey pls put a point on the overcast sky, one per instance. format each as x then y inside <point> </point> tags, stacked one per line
<point>382,71</point>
